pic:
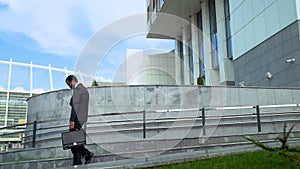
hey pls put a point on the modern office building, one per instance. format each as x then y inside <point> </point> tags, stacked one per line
<point>13,110</point>
<point>231,42</point>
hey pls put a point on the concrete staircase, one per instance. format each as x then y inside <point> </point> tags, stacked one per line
<point>119,142</point>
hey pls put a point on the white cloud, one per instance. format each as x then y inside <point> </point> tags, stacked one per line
<point>19,89</point>
<point>64,26</point>
<point>55,24</point>
<point>102,79</point>
<point>105,12</point>
<point>38,91</point>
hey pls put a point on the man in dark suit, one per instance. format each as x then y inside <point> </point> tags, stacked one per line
<point>79,113</point>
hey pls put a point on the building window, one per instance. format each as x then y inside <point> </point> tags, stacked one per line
<point>154,9</point>
<point>161,2</point>
<point>201,51</point>
<point>148,14</point>
<point>228,29</point>
<point>181,61</point>
<point>213,32</point>
<point>191,53</point>
<point>148,2</point>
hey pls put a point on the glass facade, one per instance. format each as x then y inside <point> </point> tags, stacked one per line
<point>254,21</point>
<point>190,53</point>
<point>228,29</point>
<point>17,108</point>
<point>213,32</point>
<point>15,111</point>
<point>161,2</point>
<point>153,7</point>
<point>3,103</point>
<point>181,61</point>
<point>201,51</point>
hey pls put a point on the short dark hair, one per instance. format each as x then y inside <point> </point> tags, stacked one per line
<point>70,78</point>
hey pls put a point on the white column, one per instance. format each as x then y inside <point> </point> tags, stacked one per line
<point>186,70</point>
<point>225,65</point>
<point>50,77</point>
<point>211,75</point>
<point>195,47</point>
<point>66,71</point>
<point>8,90</point>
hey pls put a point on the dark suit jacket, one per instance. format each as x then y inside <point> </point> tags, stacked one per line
<point>80,104</point>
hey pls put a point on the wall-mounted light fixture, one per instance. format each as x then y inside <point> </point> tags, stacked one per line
<point>269,75</point>
<point>242,84</point>
<point>290,60</point>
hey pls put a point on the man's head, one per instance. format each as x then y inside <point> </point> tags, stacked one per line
<point>71,81</point>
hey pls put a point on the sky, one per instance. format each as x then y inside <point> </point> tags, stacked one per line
<point>56,32</point>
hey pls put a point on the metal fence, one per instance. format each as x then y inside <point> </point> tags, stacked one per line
<point>33,129</point>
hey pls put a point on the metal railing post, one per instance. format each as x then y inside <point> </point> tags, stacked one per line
<point>34,133</point>
<point>144,124</point>
<point>203,121</point>
<point>258,118</point>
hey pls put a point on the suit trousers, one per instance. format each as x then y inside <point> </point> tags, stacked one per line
<point>78,153</point>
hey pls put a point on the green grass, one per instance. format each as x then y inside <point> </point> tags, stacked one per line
<point>248,160</point>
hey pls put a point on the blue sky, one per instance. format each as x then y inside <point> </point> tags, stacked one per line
<point>54,32</point>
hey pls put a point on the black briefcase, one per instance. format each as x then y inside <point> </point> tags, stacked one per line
<point>71,139</point>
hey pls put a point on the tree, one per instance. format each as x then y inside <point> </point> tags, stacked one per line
<point>95,83</point>
<point>200,80</point>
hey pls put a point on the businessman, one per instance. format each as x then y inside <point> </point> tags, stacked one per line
<point>79,112</point>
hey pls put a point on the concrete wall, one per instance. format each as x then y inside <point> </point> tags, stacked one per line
<point>164,130</point>
<point>270,56</point>
<point>53,106</point>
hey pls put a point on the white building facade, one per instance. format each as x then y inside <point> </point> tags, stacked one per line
<point>232,42</point>
<point>150,67</point>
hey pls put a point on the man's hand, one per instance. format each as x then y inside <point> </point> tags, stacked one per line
<point>72,125</point>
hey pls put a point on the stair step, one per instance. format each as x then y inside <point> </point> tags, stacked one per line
<point>143,160</point>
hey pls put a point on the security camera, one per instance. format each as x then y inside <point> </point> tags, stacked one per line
<point>290,60</point>
<point>269,75</point>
